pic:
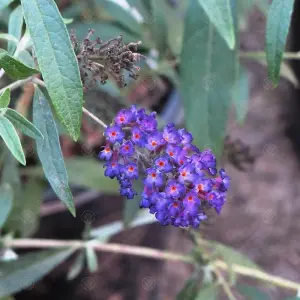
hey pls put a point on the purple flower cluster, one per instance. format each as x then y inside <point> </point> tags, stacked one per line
<point>178,177</point>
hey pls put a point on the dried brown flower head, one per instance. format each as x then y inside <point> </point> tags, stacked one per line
<point>98,59</point>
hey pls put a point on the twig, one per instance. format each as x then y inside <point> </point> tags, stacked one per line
<point>249,272</point>
<point>42,83</point>
<point>109,247</point>
<point>151,253</point>
<point>258,54</point>
<point>225,285</point>
<point>58,206</point>
<point>94,117</point>
<point>16,84</point>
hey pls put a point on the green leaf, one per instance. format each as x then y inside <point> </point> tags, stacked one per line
<point>231,256</point>
<point>32,197</point>
<point>68,20</point>
<point>207,74</point>
<point>286,71</point>
<point>11,139</point>
<point>189,291</point>
<point>158,27</point>
<point>241,95</point>
<point>140,7</point>
<point>6,202</point>
<point>28,269</point>
<point>5,3</point>
<point>15,25</point>
<point>132,206</point>
<point>5,99</point>
<point>77,266</point>
<point>23,124</point>
<point>207,292</point>
<point>219,13</point>
<point>174,20</point>
<point>57,61</point>
<point>106,231</point>
<point>11,176</point>
<point>49,151</point>
<point>26,58</point>
<point>93,176</point>
<point>121,15</point>
<point>13,67</point>
<point>92,261</point>
<point>278,23</point>
<point>251,293</point>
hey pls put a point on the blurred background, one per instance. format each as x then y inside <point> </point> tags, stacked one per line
<point>261,155</point>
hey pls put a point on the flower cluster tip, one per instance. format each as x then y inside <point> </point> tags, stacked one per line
<point>178,178</point>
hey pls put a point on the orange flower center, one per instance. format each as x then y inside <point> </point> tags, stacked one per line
<point>210,197</point>
<point>200,187</point>
<point>153,175</point>
<point>113,133</point>
<point>173,188</point>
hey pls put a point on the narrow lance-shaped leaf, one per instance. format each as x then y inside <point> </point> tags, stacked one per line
<point>6,201</point>
<point>32,196</point>
<point>219,13</point>
<point>13,67</point>
<point>10,175</point>
<point>23,124</point>
<point>57,61</point>
<point>207,73</point>
<point>208,292</point>
<point>189,291</point>
<point>77,266</point>
<point>5,98</point>
<point>278,23</point>
<point>28,269</point>
<point>15,25</point>
<point>11,139</point>
<point>92,260</point>
<point>122,15</point>
<point>49,151</point>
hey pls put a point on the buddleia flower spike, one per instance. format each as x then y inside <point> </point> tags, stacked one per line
<point>179,180</point>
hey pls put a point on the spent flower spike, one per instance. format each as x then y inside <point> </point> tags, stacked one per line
<point>178,178</point>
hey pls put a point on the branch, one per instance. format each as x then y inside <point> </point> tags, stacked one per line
<point>104,247</point>
<point>151,253</point>
<point>258,54</point>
